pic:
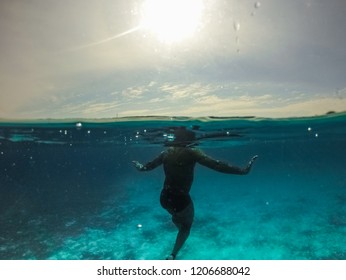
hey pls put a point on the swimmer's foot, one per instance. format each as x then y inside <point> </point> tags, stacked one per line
<point>171,257</point>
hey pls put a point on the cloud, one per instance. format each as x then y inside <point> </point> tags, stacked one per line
<point>260,107</point>
<point>238,99</point>
<point>313,107</point>
<point>134,92</point>
<point>183,91</point>
<point>208,100</point>
<point>196,99</point>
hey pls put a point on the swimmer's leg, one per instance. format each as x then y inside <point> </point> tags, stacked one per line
<point>183,221</point>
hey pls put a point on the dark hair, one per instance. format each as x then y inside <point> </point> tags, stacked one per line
<point>182,137</point>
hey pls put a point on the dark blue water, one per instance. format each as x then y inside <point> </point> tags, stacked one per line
<point>68,190</point>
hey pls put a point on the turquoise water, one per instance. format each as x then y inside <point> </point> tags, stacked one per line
<point>69,190</point>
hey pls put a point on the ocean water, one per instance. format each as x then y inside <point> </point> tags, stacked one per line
<point>68,190</point>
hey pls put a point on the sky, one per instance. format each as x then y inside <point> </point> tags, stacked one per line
<point>118,58</point>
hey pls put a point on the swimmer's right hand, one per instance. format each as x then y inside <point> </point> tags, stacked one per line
<point>138,165</point>
<point>253,160</point>
<point>248,167</point>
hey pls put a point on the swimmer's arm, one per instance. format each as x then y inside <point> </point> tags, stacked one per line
<point>150,165</point>
<point>223,167</point>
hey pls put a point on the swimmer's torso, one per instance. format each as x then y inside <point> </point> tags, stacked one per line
<point>179,164</point>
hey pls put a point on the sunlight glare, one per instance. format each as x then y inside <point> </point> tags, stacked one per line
<point>172,20</point>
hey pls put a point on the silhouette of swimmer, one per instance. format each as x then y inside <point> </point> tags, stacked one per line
<point>178,162</point>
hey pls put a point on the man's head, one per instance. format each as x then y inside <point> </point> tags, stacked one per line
<point>182,137</point>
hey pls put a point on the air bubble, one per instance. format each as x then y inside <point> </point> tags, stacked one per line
<point>257,5</point>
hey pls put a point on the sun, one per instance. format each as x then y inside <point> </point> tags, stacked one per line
<point>172,21</point>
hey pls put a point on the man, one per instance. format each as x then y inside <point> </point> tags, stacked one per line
<point>178,162</point>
